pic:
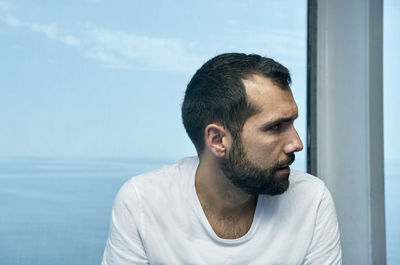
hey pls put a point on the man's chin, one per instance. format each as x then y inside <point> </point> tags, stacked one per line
<point>279,188</point>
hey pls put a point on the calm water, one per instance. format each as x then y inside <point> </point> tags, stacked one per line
<point>57,212</point>
<point>54,212</point>
<point>392,207</point>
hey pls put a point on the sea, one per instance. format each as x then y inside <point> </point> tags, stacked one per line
<point>57,211</point>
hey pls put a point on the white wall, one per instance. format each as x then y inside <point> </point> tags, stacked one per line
<point>349,130</point>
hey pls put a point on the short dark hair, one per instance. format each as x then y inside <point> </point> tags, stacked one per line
<point>216,93</point>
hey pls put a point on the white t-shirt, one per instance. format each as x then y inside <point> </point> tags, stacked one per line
<point>157,219</point>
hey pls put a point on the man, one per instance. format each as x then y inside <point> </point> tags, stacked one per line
<point>238,202</point>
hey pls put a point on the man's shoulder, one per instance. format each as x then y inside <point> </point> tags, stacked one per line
<point>300,177</point>
<point>304,184</point>
<point>162,180</point>
<point>300,201</point>
<point>167,172</point>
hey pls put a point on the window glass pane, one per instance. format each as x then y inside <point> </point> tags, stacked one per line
<point>391,59</point>
<point>90,95</point>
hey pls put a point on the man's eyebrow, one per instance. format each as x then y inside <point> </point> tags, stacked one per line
<point>280,120</point>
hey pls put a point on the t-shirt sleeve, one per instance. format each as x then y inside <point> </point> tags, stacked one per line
<point>124,244</point>
<point>325,246</point>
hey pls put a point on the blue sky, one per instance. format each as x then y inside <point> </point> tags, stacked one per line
<point>99,78</point>
<point>391,90</point>
<point>106,79</point>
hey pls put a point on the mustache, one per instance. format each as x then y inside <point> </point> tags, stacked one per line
<point>287,162</point>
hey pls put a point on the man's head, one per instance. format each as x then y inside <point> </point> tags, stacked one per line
<point>248,98</point>
<point>216,93</point>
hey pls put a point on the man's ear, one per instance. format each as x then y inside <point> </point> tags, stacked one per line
<point>217,139</point>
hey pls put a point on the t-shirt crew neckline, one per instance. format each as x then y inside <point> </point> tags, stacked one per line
<point>204,221</point>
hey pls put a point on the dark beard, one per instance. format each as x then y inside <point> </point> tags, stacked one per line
<point>252,179</point>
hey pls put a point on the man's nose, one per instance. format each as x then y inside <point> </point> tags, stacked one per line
<point>294,143</point>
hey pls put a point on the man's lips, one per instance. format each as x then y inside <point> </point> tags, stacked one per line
<point>286,168</point>
<point>286,165</point>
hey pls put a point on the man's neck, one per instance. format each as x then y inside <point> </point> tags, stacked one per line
<point>224,205</point>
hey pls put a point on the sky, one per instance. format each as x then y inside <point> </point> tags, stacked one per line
<point>391,59</point>
<point>106,79</point>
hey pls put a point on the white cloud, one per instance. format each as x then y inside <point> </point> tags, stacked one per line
<point>119,49</point>
<point>51,31</point>
<point>125,50</point>
<point>108,60</point>
<point>144,52</point>
<point>128,50</point>
<point>71,40</point>
<point>11,21</point>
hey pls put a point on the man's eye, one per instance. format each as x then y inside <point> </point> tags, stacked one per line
<point>276,127</point>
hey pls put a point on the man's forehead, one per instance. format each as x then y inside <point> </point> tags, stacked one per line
<point>259,87</point>
<point>269,97</point>
<point>256,84</point>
